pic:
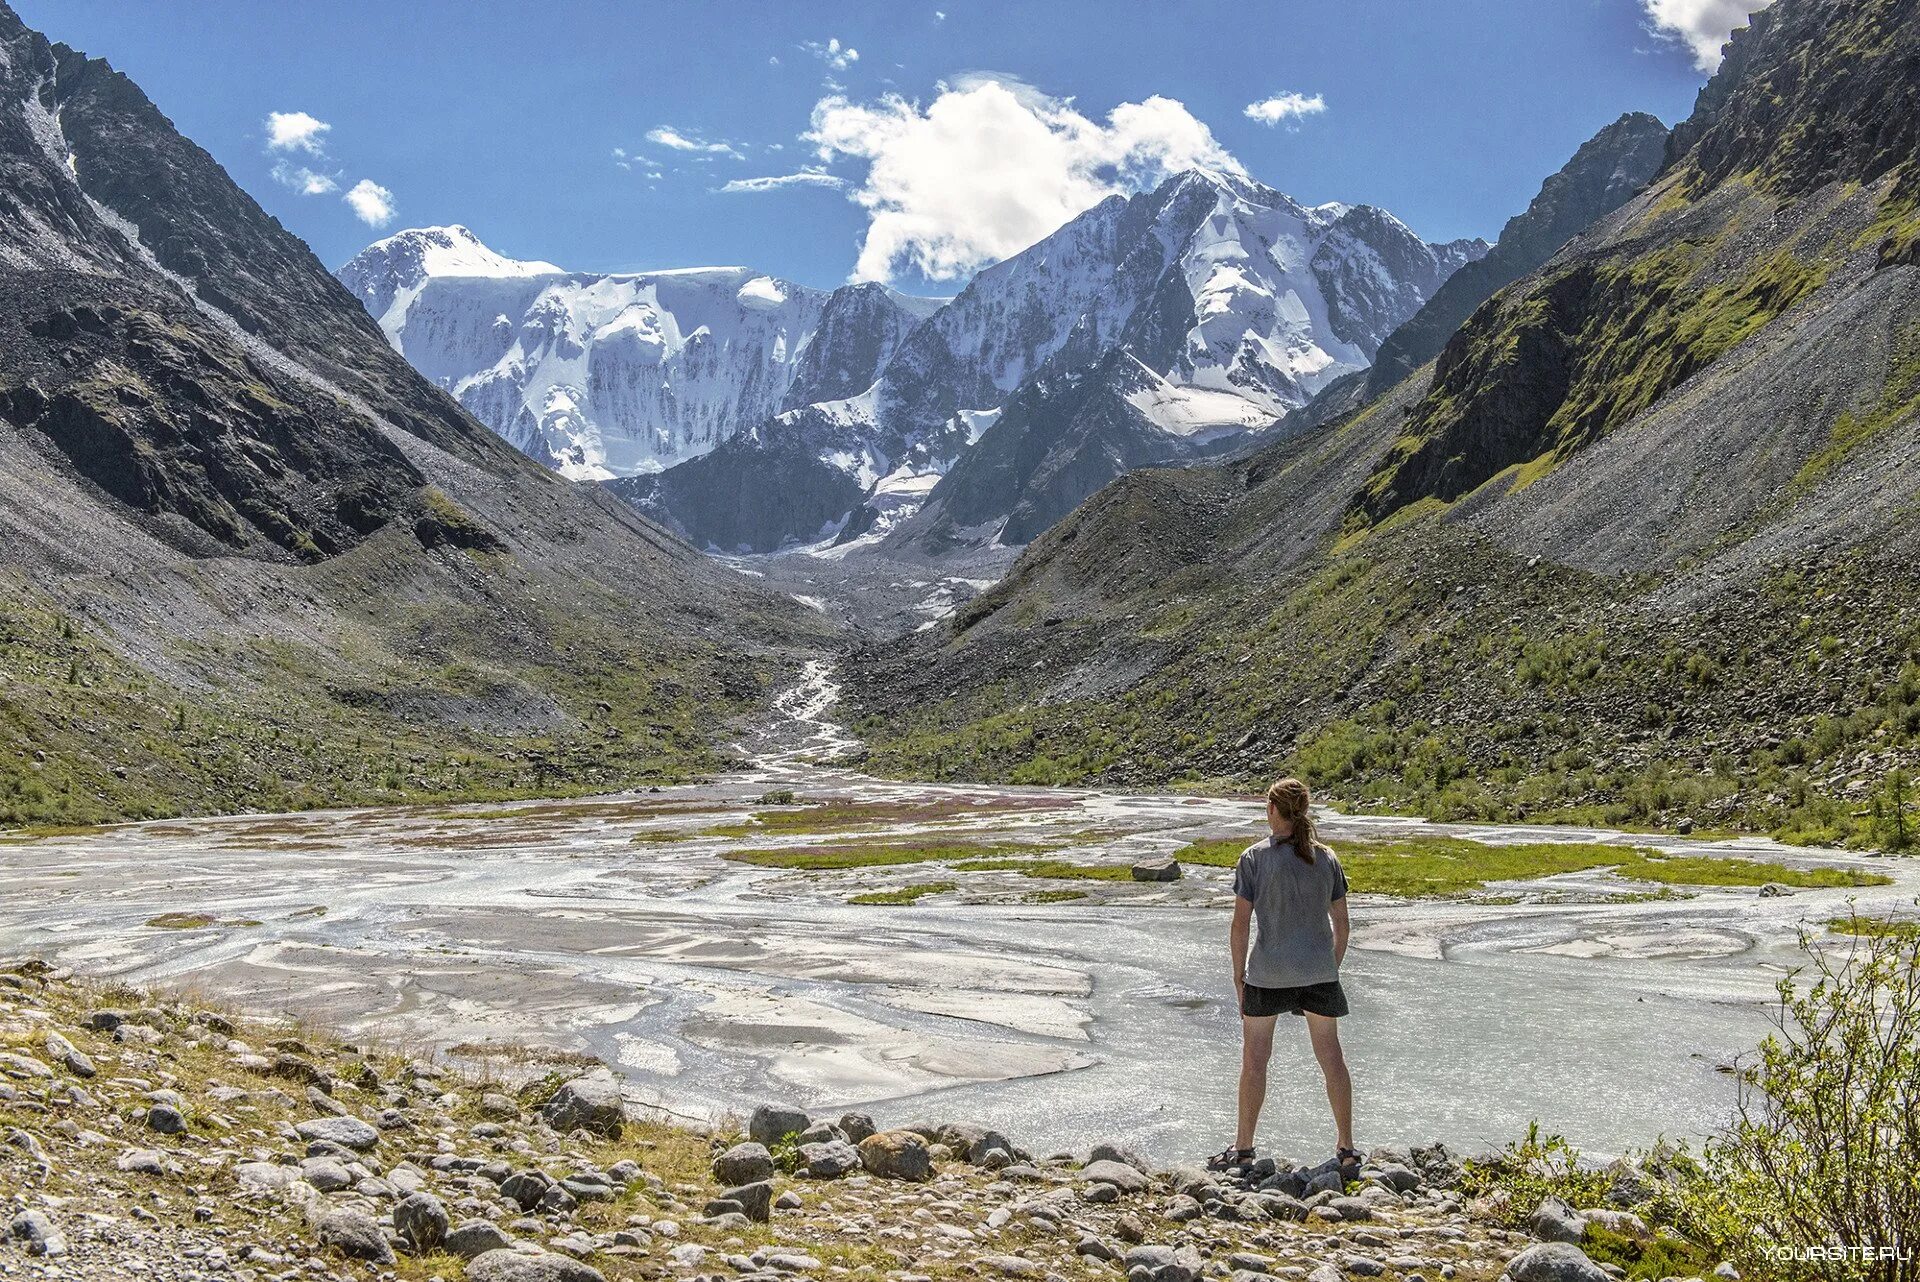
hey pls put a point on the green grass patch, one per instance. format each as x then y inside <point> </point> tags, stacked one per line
<point>193,921</point>
<point>1875,927</point>
<point>1052,896</point>
<point>1215,852</point>
<point>904,895</point>
<point>1054,869</point>
<point>1427,867</point>
<point>1709,870</point>
<point>872,855</point>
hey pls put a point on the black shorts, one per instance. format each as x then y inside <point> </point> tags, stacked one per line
<point>1309,999</point>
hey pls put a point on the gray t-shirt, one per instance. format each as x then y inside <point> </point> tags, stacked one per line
<point>1293,937</point>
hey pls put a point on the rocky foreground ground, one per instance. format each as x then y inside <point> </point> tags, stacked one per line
<point>153,1138</point>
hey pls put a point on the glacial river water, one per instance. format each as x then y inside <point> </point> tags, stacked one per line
<point>714,984</point>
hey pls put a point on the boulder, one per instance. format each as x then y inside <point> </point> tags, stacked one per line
<point>975,1144</point>
<point>1554,1221</point>
<point>754,1200</point>
<point>856,1126</point>
<point>830,1160</point>
<point>1165,868</point>
<point>68,1056</point>
<point>141,1161</point>
<point>1111,1152</point>
<point>771,1123</point>
<point>1162,1264</point>
<point>348,1132</point>
<point>819,1133</point>
<point>591,1104</point>
<point>897,1155</point>
<point>743,1164</point>
<point>1624,1223</point>
<point>326,1174</point>
<point>263,1177</point>
<point>536,1266</point>
<point>421,1220</point>
<point>354,1234</point>
<point>38,1232</point>
<point>1126,1178</point>
<point>1554,1262</point>
<point>470,1239</point>
<point>498,1108</point>
<point>525,1188</point>
<point>166,1119</point>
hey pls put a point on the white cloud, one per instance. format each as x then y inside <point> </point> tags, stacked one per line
<point>778,182</point>
<point>306,181</point>
<point>1702,25</point>
<point>992,165</point>
<point>1285,106</point>
<point>295,131</point>
<point>832,52</point>
<point>668,136</point>
<point>371,202</point>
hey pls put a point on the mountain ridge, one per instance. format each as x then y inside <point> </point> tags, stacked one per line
<point>254,560</point>
<point>1636,547</point>
<point>1261,311</point>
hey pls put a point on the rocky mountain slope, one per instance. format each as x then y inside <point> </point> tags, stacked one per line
<point>1233,302</point>
<point>252,558</point>
<point>1608,170</point>
<point>1637,545</point>
<point>603,375</point>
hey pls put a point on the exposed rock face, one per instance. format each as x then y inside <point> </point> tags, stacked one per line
<point>1607,171</point>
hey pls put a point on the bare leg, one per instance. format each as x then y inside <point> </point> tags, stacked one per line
<point>1256,1047</point>
<point>1325,1033</point>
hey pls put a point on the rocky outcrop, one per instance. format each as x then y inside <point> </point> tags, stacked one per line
<point>1607,171</point>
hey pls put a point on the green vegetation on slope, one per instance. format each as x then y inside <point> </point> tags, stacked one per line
<point>450,710</point>
<point>1431,674</point>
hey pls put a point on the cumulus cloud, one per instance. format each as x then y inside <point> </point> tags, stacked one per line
<point>1285,106</point>
<point>1702,25</point>
<point>832,52</point>
<point>308,182</point>
<point>296,131</point>
<point>780,182</point>
<point>992,165</point>
<point>668,136</point>
<point>370,202</point>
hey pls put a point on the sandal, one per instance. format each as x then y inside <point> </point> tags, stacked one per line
<point>1230,1157</point>
<point>1349,1160</point>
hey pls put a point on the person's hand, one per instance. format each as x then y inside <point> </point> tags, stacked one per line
<point>1239,990</point>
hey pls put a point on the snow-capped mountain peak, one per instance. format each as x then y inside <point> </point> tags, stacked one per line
<point>399,264</point>
<point>610,374</point>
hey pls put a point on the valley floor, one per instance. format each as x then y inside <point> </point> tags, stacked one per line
<point>801,930</point>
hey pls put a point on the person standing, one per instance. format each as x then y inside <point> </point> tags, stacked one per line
<point>1288,938</point>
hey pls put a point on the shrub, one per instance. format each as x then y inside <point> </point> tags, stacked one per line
<point>1821,1151</point>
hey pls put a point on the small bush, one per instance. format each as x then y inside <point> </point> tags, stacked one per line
<point>1821,1152</point>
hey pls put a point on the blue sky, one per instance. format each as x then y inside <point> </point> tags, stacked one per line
<point>602,135</point>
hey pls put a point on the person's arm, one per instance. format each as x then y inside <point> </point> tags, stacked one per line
<point>1237,939</point>
<point>1337,910</point>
